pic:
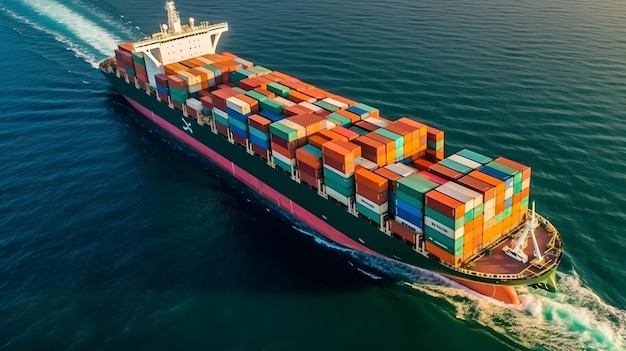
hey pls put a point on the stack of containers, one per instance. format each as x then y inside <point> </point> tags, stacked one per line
<point>492,230</point>
<point>390,146</point>
<point>220,108</point>
<point>139,65</point>
<point>371,194</point>
<point>407,136</point>
<point>489,199</point>
<point>391,189</point>
<point>372,150</point>
<point>162,87</point>
<point>410,191</point>
<point>444,225</point>
<point>259,128</point>
<point>339,164</point>
<point>285,137</point>
<point>398,139</point>
<point>473,217</point>
<point>435,144</point>
<point>513,181</point>
<point>178,91</point>
<point>194,107</point>
<point>523,190</point>
<point>193,81</point>
<point>351,135</point>
<point>238,112</point>
<point>339,119</point>
<point>310,164</point>
<point>124,58</point>
<point>418,138</point>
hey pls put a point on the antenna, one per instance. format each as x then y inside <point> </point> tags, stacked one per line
<point>173,20</point>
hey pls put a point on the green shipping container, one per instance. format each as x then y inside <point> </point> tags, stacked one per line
<point>347,192</point>
<point>239,124</point>
<point>256,95</point>
<point>443,219</point>
<point>221,120</point>
<point>517,188</point>
<point>434,145</point>
<point>283,165</point>
<point>478,210</point>
<point>368,213</point>
<point>474,156</point>
<point>326,106</point>
<point>278,89</point>
<point>524,202</point>
<point>259,134</point>
<point>271,106</point>
<point>499,217</point>
<point>454,247</point>
<point>413,201</point>
<point>339,119</point>
<point>339,180</point>
<point>455,166</point>
<point>283,132</point>
<point>415,186</point>
<point>469,215</point>
<point>507,212</point>
<point>361,131</point>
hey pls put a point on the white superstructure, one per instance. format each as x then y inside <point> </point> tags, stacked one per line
<point>177,42</point>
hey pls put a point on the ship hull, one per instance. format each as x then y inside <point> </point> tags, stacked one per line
<point>300,201</point>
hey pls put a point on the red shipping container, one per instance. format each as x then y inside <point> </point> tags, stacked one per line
<point>329,134</point>
<point>219,97</point>
<point>310,171</point>
<point>239,139</point>
<point>283,151</point>
<point>391,176</point>
<point>343,167</point>
<point>164,98</point>
<point>488,190</point>
<point>444,172</point>
<point>259,150</point>
<point>259,122</point>
<point>251,84</point>
<point>366,125</point>
<point>312,181</point>
<point>376,197</point>
<point>295,110</point>
<point>445,205</point>
<point>351,135</point>
<point>192,113</point>
<point>207,101</point>
<point>432,177</point>
<point>306,157</point>
<point>222,129</point>
<point>402,231</point>
<point>434,134</point>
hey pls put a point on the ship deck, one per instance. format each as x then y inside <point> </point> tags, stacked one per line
<point>495,262</point>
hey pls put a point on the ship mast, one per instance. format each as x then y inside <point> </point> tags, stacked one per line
<point>517,252</point>
<point>173,20</point>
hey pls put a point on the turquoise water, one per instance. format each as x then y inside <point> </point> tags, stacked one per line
<point>112,238</point>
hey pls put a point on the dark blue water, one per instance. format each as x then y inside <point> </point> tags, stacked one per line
<point>113,237</point>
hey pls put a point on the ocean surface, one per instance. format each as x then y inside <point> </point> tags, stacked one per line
<point>113,237</point>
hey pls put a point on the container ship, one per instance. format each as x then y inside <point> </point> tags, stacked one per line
<point>381,186</point>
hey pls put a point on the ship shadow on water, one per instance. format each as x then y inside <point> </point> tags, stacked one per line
<point>266,252</point>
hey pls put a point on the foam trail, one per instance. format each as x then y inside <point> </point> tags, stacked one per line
<point>573,319</point>
<point>78,50</point>
<point>87,31</point>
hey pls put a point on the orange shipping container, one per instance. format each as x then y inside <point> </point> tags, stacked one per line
<point>304,156</point>
<point>423,129</point>
<point>444,255</point>
<point>280,75</point>
<point>254,104</point>
<point>337,153</point>
<point>516,166</point>
<point>390,146</point>
<point>267,93</point>
<point>372,150</point>
<point>391,176</point>
<point>354,148</point>
<point>351,135</point>
<point>422,164</point>
<point>353,117</point>
<point>406,134</point>
<point>318,140</point>
<point>298,97</point>
<point>434,134</point>
<point>371,180</point>
<point>344,100</point>
<point>332,135</point>
<point>499,184</point>
<point>317,93</point>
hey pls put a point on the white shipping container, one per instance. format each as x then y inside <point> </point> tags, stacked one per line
<point>379,209</point>
<point>207,72</point>
<point>338,171</point>
<point>335,195</point>
<point>218,112</point>
<point>508,193</point>
<point>365,163</point>
<point>489,214</point>
<point>238,105</point>
<point>445,230</point>
<point>466,200</point>
<point>490,204</point>
<point>194,88</point>
<point>412,227</point>
<point>407,167</point>
<point>334,102</point>
<point>399,170</point>
<point>310,106</point>
<point>284,102</point>
<point>377,122</point>
<point>525,183</point>
<point>283,158</point>
<point>194,104</point>
<point>326,124</point>
<point>464,161</point>
<point>478,197</point>
<point>300,130</point>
